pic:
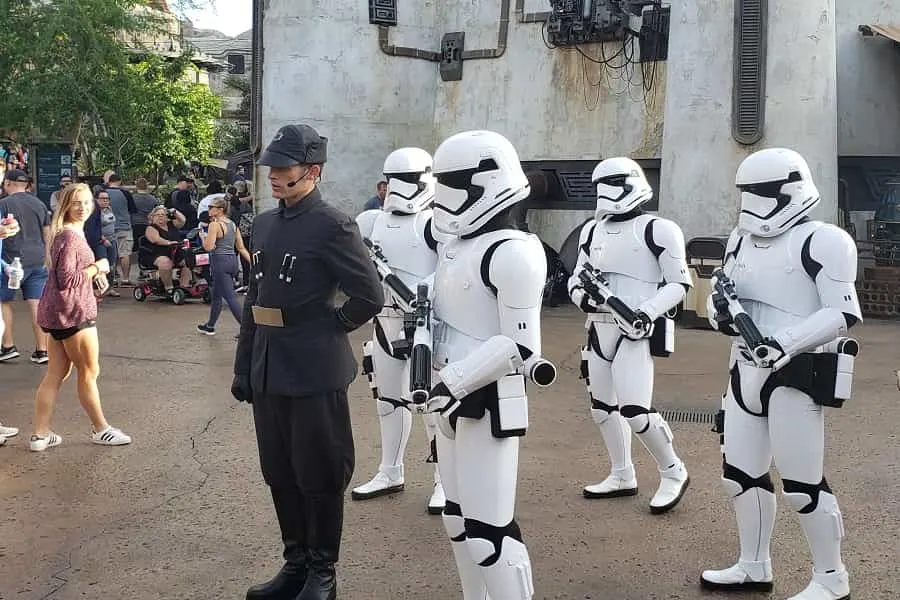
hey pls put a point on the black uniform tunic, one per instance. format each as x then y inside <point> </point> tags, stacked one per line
<point>299,373</point>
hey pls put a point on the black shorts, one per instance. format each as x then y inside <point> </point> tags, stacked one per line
<point>64,334</point>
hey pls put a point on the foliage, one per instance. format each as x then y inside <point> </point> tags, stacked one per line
<point>160,121</point>
<point>231,137</point>
<point>77,70</point>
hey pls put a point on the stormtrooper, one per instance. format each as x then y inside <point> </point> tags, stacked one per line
<point>642,260</point>
<point>794,278</point>
<point>488,290</point>
<point>403,232</point>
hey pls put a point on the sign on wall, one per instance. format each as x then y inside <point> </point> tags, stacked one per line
<point>53,162</point>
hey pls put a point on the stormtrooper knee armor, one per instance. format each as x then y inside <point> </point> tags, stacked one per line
<point>642,259</point>
<point>488,290</point>
<point>795,278</point>
<point>402,230</point>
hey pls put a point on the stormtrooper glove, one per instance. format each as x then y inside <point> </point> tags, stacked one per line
<point>441,401</point>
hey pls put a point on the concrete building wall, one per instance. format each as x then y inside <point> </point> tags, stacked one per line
<point>868,80</point>
<point>550,103</point>
<point>700,157</point>
<point>323,67</point>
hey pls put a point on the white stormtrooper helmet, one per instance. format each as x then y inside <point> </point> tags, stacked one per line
<point>478,176</point>
<point>410,181</point>
<point>621,186</point>
<point>777,191</point>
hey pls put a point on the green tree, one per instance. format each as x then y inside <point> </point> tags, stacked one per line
<point>76,70</point>
<point>160,121</point>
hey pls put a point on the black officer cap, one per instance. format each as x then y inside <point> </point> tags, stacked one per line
<point>295,145</point>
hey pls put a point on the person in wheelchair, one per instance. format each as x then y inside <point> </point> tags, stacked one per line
<point>161,247</point>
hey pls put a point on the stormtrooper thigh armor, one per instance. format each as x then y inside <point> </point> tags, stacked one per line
<point>480,473</point>
<point>789,427</point>
<point>620,383</point>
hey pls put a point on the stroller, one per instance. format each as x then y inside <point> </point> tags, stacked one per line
<point>195,258</point>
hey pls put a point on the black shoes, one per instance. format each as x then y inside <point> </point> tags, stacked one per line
<point>284,586</point>
<point>321,583</point>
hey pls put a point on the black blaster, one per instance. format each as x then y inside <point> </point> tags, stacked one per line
<point>635,323</point>
<point>416,308</point>
<point>764,352</point>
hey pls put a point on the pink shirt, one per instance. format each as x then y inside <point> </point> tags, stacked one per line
<point>68,299</point>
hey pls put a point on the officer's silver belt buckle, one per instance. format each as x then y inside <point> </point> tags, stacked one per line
<point>270,317</point>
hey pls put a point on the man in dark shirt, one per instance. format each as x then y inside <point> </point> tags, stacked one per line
<point>377,201</point>
<point>30,248</point>
<point>294,362</point>
<point>182,201</point>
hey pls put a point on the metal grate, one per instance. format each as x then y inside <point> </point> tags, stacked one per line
<point>748,110</point>
<point>696,416</point>
<point>577,185</point>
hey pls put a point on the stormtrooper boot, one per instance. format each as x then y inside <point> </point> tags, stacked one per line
<point>744,576</point>
<point>674,480</point>
<point>388,480</point>
<point>616,435</point>
<point>396,423</point>
<point>438,500</point>
<point>755,512</point>
<point>824,529</point>
<point>826,586</point>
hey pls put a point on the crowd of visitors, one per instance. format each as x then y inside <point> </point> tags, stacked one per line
<point>66,258</point>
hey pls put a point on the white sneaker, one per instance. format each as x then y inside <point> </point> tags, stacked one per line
<point>41,443</point>
<point>8,432</point>
<point>110,437</point>
<point>380,485</point>
<point>672,485</point>
<point>618,484</point>
<point>437,501</point>
<point>826,586</point>
<point>745,575</point>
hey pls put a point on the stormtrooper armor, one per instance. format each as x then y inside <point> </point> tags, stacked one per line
<point>402,229</point>
<point>488,289</point>
<point>643,259</point>
<point>795,278</point>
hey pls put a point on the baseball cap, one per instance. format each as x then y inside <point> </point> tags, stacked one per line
<point>17,175</point>
<point>295,145</point>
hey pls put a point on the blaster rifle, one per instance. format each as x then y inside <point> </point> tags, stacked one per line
<point>764,352</point>
<point>420,355</point>
<point>403,296</point>
<point>416,326</point>
<point>634,323</point>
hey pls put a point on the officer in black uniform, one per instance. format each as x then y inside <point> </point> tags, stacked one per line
<point>294,361</point>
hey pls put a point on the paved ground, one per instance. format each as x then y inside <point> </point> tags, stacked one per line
<point>182,513</point>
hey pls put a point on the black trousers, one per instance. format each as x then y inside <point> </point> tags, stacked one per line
<point>307,457</point>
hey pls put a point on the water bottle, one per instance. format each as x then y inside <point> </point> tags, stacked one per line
<point>16,272</point>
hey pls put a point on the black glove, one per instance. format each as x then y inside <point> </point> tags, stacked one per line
<point>240,389</point>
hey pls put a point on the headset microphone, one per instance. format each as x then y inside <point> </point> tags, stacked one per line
<point>293,183</point>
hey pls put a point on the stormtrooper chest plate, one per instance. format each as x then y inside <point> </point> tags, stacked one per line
<point>769,271</point>
<point>464,306</point>
<point>402,240</point>
<point>620,248</point>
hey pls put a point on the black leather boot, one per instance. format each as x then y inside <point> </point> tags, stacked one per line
<point>324,525</point>
<point>284,586</point>
<point>321,582</point>
<point>290,508</point>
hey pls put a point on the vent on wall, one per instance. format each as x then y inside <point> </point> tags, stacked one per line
<point>749,100</point>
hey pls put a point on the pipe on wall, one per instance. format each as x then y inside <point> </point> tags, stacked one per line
<point>502,36</point>
<point>384,43</point>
